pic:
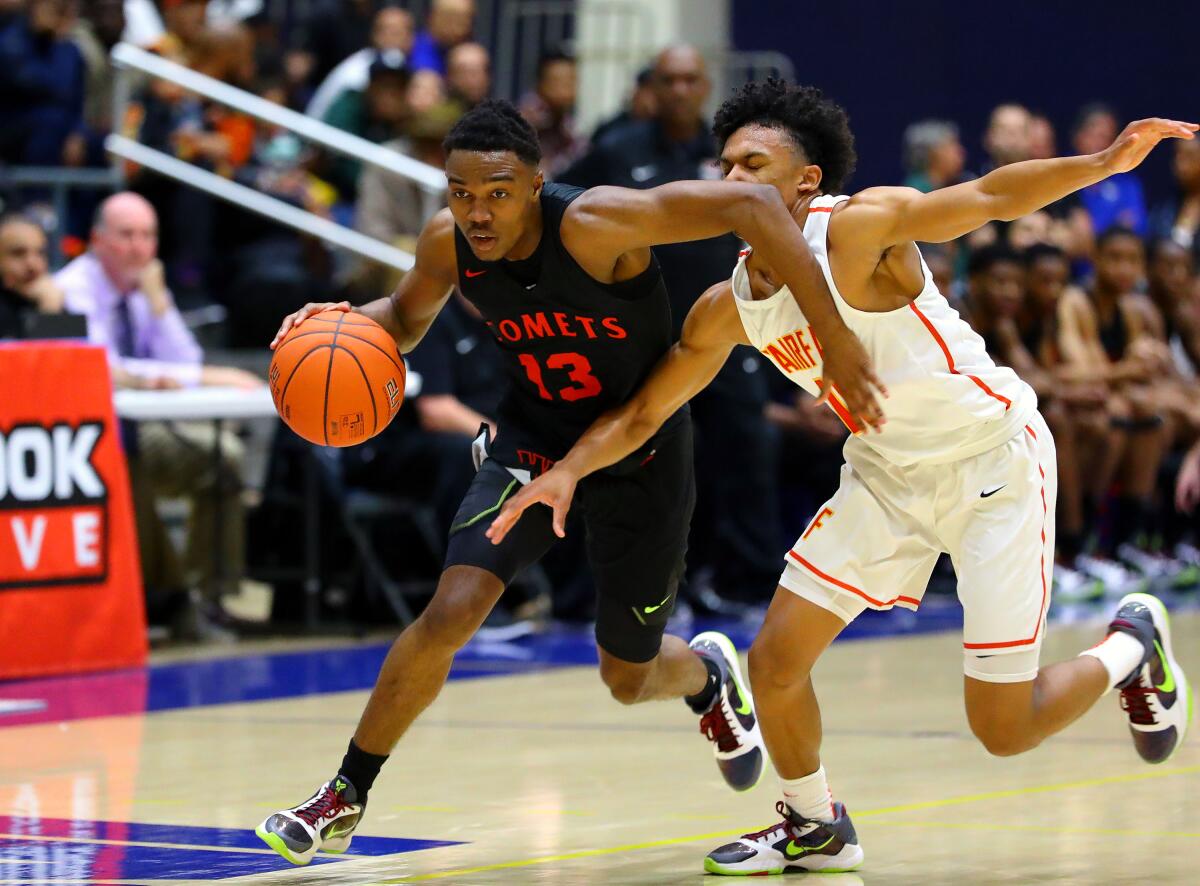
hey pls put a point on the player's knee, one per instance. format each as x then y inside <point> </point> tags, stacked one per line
<point>1004,741</point>
<point>451,619</point>
<point>626,682</point>
<point>772,668</point>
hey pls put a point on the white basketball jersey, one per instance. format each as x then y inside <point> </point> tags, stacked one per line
<point>947,399</point>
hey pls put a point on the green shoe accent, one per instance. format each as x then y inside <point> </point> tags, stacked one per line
<point>802,850</point>
<point>714,867</point>
<point>503,498</point>
<point>276,843</point>
<point>1168,684</point>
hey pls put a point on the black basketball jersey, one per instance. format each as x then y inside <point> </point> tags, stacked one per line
<point>572,347</point>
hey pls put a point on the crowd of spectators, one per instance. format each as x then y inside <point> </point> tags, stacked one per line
<point>1094,301</point>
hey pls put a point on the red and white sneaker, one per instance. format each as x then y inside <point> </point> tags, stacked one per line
<point>324,822</point>
<point>730,722</point>
<point>1156,696</point>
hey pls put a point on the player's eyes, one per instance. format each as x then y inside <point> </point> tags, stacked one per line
<point>460,195</point>
<point>499,195</point>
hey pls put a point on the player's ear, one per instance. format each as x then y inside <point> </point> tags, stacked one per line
<point>538,181</point>
<point>809,181</point>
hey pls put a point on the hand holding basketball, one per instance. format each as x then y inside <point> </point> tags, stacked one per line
<point>1139,138</point>
<point>298,317</point>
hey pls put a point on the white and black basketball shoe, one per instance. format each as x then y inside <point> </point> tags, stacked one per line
<point>324,822</point>
<point>1156,696</point>
<point>730,722</point>
<point>795,845</point>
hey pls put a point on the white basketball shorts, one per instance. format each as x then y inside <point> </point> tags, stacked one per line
<point>874,545</point>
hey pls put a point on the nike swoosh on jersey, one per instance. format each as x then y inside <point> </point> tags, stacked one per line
<point>475,273</point>
<point>988,493</point>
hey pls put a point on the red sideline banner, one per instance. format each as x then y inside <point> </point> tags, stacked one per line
<point>70,582</point>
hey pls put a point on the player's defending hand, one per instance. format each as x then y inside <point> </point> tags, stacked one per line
<point>298,317</point>
<point>555,489</point>
<point>848,369</point>
<point>1139,138</point>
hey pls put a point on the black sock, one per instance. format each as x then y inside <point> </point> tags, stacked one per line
<point>361,768</point>
<point>702,700</point>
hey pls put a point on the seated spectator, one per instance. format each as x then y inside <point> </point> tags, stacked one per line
<point>41,88</point>
<point>184,23</point>
<point>1104,336</point>
<point>450,23</point>
<point>933,155</point>
<point>1007,138</point>
<point>468,75</point>
<point>377,114</point>
<point>391,36</point>
<point>1178,219</point>
<point>25,285</point>
<point>1118,199</point>
<point>1171,280</point>
<point>998,309</point>
<point>118,285</point>
<point>642,104</point>
<point>328,32</point>
<point>549,110</point>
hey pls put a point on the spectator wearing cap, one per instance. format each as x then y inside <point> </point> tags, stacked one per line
<point>933,155</point>
<point>391,36</point>
<point>549,109</point>
<point>378,114</point>
<point>450,23</point>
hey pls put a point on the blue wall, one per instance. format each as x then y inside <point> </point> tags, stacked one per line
<point>891,62</point>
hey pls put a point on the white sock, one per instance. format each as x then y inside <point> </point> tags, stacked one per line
<point>1120,653</point>
<point>809,796</point>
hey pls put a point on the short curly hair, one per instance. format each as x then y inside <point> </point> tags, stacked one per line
<point>494,125</point>
<point>818,125</point>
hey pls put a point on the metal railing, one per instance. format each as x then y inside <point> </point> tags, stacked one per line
<point>59,181</point>
<point>129,59</point>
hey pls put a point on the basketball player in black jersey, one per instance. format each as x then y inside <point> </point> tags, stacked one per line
<point>570,290</point>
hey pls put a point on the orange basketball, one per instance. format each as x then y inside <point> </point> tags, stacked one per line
<point>337,378</point>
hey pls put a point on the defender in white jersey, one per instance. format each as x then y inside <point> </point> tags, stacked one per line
<point>963,464</point>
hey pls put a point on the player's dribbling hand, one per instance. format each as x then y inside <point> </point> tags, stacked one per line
<point>847,368</point>
<point>555,489</point>
<point>298,317</point>
<point>1139,138</point>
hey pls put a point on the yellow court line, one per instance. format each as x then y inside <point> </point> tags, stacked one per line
<point>1052,829</point>
<point>695,838</point>
<point>41,838</point>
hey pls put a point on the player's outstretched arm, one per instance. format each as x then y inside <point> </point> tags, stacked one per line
<point>607,223</point>
<point>410,310</point>
<point>891,216</point>
<point>686,369</point>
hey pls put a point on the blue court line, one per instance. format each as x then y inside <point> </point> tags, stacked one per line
<point>187,851</point>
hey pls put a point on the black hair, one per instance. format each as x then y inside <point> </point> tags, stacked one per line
<point>1038,251</point>
<point>818,125</point>
<point>17,217</point>
<point>983,260</point>
<point>494,125</point>
<point>1115,232</point>
<point>552,58</point>
<point>1158,245</point>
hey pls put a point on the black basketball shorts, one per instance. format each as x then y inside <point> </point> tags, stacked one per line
<point>637,519</point>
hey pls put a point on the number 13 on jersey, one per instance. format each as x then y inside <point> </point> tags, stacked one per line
<point>579,372</point>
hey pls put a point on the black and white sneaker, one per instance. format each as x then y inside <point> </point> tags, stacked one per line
<point>730,722</point>
<point>1156,696</point>
<point>794,845</point>
<point>324,822</point>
